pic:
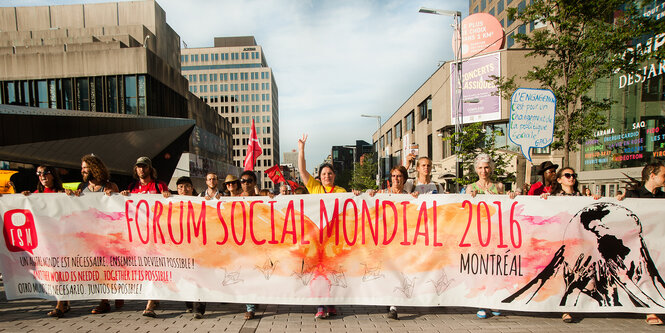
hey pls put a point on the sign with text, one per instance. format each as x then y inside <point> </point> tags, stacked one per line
<point>528,254</point>
<point>532,114</point>
<point>479,101</point>
<point>481,33</point>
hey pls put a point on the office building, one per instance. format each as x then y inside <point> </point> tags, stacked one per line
<point>234,78</point>
<point>105,79</point>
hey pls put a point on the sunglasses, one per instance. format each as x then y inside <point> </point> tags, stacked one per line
<point>246,180</point>
<point>39,173</point>
<point>570,175</point>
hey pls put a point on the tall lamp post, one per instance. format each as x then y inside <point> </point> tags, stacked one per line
<point>378,150</point>
<point>459,114</point>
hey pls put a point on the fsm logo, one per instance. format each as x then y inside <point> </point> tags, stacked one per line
<point>19,230</point>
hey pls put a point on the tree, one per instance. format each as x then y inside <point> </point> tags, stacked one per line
<point>475,140</point>
<point>364,174</point>
<point>582,41</point>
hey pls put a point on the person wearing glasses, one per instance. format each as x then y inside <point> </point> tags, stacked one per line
<point>211,191</point>
<point>566,185</point>
<point>48,181</point>
<point>247,189</point>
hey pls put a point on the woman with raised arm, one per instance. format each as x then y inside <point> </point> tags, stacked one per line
<point>326,185</point>
<point>326,174</point>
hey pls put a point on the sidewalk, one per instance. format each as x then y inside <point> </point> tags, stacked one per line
<point>30,316</point>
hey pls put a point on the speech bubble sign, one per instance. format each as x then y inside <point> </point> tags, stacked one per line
<point>19,230</point>
<point>532,114</point>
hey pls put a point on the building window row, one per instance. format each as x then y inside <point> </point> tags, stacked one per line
<point>214,77</point>
<point>113,94</point>
<point>219,56</point>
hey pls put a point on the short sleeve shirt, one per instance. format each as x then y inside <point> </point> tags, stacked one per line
<point>315,187</point>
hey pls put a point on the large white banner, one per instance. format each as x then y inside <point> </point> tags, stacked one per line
<point>528,254</point>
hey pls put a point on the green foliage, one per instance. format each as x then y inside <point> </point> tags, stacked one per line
<point>364,175</point>
<point>583,41</point>
<point>475,140</point>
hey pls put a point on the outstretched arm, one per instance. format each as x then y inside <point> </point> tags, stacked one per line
<point>302,168</point>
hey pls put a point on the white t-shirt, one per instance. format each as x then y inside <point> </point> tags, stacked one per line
<point>412,185</point>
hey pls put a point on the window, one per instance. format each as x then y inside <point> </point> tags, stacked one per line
<point>483,4</point>
<point>398,130</point>
<point>499,7</point>
<point>522,29</point>
<point>409,122</point>
<point>425,110</point>
<point>492,11</point>
<point>511,41</point>
<point>131,105</point>
<point>389,137</point>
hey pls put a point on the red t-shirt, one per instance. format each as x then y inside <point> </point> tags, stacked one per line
<point>148,188</point>
<point>538,189</point>
<point>46,190</point>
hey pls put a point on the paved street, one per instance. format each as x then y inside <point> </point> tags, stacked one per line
<point>30,316</point>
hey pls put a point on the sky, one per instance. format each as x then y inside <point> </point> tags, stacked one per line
<point>332,60</point>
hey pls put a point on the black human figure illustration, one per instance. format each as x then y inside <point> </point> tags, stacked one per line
<point>620,266</point>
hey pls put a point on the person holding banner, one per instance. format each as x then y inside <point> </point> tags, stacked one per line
<point>97,178</point>
<point>49,182</point>
<point>653,178</point>
<point>248,189</point>
<point>326,174</point>
<point>232,185</point>
<point>398,177</point>
<point>211,191</point>
<point>185,187</point>
<point>423,183</point>
<point>548,171</point>
<point>324,186</point>
<point>484,167</point>
<point>146,182</point>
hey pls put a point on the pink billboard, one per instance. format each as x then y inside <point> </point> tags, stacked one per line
<point>481,33</point>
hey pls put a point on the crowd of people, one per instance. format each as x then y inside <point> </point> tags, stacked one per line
<point>555,182</point>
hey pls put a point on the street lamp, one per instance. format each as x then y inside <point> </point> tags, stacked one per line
<point>378,153</point>
<point>459,116</point>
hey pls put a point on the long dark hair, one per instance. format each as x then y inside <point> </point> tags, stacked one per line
<point>556,187</point>
<point>57,183</point>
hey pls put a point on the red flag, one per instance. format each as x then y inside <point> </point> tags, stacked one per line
<point>275,174</point>
<point>253,149</point>
<point>292,184</point>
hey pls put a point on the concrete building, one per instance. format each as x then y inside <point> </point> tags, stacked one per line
<point>102,69</point>
<point>234,78</point>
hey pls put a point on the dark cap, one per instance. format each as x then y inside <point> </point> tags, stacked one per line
<point>547,165</point>
<point>143,160</point>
